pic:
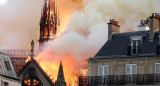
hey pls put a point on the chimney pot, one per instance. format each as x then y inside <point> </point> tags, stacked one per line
<point>143,25</point>
<point>154,24</point>
<point>113,27</point>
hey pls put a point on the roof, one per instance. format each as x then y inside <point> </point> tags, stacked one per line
<point>118,45</point>
<point>13,78</point>
<point>40,69</point>
<point>7,69</point>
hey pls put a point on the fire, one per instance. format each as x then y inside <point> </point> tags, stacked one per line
<point>72,69</point>
<point>66,8</point>
<point>28,82</point>
<point>28,59</point>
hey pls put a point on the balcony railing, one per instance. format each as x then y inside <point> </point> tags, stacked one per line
<point>139,79</point>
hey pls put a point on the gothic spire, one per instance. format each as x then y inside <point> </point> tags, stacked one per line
<point>48,23</point>
<point>60,78</point>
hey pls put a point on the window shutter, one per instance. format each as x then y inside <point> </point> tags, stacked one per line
<point>134,43</point>
<point>100,70</point>
<point>139,42</point>
<point>157,67</point>
<point>106,70</point>
<point>134,69</point>
<point>128,69</point>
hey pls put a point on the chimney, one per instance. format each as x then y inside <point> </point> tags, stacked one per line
<point>154,24</point>
<point>144,25</point>
<point>113,27</point>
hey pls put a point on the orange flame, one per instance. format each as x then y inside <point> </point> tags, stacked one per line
<point>28,59</point>
<point>72,69</point>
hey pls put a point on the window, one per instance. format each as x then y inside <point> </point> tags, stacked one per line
<point>157,68</point>
<point>31,82</point>
<point>103,70</point>
<point>135,45</point>
<point>131,69</point>
<point>6,84</point>
<point>8,66</point>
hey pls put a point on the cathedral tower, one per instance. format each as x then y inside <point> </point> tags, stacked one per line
<point>49,23</point>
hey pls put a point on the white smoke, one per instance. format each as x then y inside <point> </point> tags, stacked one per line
<point>19,23</point>
<point>87,30</point>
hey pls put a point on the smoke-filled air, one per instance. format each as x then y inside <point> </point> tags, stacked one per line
<point>83,32</point>
<point>86,32</point>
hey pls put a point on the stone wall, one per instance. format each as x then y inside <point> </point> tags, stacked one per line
<point>117,66</point>
<point>11,82</point>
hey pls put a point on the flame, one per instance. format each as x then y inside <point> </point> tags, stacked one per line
<point>66,8</point>
<point>28,59</point>
<point>72,69</point>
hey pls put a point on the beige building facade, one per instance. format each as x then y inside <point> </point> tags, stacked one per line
<point>6,81</point>
<point>131,58</point>
<point>145,65</point>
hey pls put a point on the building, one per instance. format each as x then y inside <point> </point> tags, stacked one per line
<point>17,56</point>
<point>8,76</point>
<point>32,74</point>
<point>131,58</point>
<point>49,23</point>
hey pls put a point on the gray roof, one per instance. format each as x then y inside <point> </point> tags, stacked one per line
<point>6,67</point>
<point>118,45</point>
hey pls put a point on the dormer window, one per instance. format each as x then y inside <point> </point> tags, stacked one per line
<point>135,44</point>
<point>8,66</point>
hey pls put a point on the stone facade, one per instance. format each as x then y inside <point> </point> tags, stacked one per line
<point>145,65</point>
<point>32,71</point>
<point>10,81</point>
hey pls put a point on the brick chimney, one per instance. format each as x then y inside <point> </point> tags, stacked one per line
<point>154,24</point>
<point>113,27</point>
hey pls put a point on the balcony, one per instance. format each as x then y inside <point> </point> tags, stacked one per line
<point>141,79</point>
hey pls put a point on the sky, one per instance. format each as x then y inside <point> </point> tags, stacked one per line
<point>19,19</point>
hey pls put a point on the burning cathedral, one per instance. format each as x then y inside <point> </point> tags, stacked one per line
<point>30,73</point>
<point>49,23</point>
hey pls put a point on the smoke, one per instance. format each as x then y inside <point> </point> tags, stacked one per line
<point>22,17</point>
<point>86,31</point>
<point>66,9</point>
<point>19,23</point>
